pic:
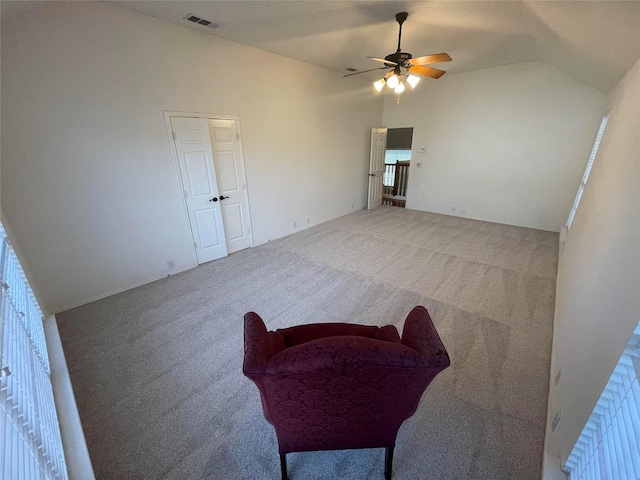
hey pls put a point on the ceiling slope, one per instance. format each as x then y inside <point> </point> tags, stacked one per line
<point>596,41</point>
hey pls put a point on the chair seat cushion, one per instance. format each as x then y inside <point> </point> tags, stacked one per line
<point>306,333</point>
<point>331,352</point>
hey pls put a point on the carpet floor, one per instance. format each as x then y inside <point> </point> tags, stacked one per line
<point>157,370</point>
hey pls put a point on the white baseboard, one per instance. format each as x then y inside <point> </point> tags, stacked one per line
<point>124,289</point>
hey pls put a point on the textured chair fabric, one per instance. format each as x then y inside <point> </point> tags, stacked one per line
<point>337,385</point>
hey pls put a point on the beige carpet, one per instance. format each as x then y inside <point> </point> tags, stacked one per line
<point>157,369</point>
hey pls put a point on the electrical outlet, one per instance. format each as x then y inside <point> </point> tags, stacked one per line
<point>295,225</point>
<point>308,221</point>
<point>171,264</point>
<point>453,209</point>
<point>352,206</point>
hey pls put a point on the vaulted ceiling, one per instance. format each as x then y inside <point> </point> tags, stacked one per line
<point>595,41</point>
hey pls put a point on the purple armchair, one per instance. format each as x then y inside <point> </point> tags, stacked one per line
<point>334,386</point>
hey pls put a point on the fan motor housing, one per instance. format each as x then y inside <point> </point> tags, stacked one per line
<point>399,57</point>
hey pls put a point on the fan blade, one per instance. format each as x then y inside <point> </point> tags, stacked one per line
<point>429,59</point>
<point>427,71</point>
<point>389,74</point>
<point>383,60</point>
<point>364,71</point>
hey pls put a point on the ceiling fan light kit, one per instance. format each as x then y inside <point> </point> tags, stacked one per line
<point>404,67</point>
<point>379,85</point>
<point>413,80</point>
<point>393,81</point>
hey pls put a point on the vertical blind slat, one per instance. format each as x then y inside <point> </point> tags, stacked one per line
<point>587,170</point>
<point>611,450</point>
<point>630,422</point>
<point>30,446</point>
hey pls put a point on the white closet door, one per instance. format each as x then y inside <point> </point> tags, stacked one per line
<point>198,175</point>
<point>231,183</point>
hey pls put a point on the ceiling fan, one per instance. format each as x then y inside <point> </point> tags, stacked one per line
<point>402,65</point>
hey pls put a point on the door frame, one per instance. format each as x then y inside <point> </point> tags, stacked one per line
<point>178,175</point>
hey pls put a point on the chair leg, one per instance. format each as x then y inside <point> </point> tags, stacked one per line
<point>283,465</point>
<point>388,462</point>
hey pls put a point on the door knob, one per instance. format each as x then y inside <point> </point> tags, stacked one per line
<point>215,199</point>
<point>222,197</point>
<point>372,174</point>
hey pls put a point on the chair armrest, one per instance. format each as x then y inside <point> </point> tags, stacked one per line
<point>420,334</point>
<point>259,345</point>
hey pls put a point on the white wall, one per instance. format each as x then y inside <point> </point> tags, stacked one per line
<point>505,144</point>
<point>598,286</point>
<point>88,182</point>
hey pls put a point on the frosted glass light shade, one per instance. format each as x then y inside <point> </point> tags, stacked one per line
<point>379,84</point>
<point>413,80</point>
<point>393,81</point>
<point>399,88</point>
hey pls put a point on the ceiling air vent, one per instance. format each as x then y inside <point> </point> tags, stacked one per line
<point>202,21</point>
<point>351,69</point>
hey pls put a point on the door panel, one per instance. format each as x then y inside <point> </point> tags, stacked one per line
<point>207,233</point>
<point>228,178</point>
<point>231,183</point>
<point>222,134</point>
<point>199,173</point>
<point>198,176</point>
<point>191,135</point>
<point>376,166</point>
<point>233,227</point>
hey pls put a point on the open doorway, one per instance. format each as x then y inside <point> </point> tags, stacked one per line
<point>396,166</point>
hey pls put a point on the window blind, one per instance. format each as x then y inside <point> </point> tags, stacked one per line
<point>587,170</point>
<point>609,446</point>
<point>30,444</point>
